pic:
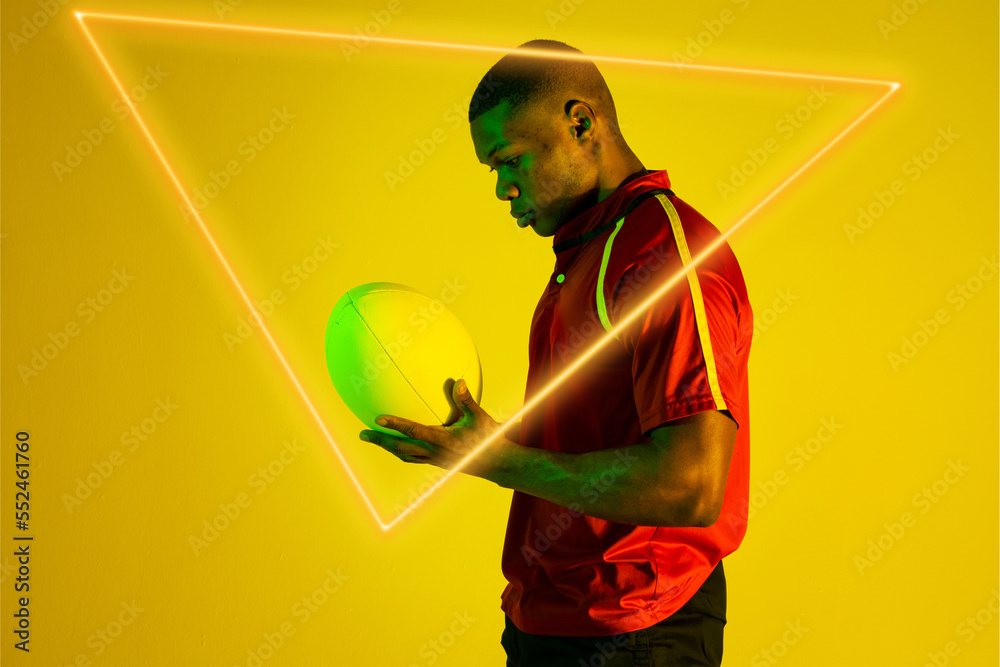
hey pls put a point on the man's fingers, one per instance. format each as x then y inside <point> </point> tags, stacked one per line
<point>408,449</point>
<point>414,459</point>
<point>400,447</point>
<point>411,429</point>
<point>465,396</point>
<point>468,402</point>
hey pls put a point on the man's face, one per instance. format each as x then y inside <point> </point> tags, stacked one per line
<point>543,167</point>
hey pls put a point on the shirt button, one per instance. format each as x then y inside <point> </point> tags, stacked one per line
<point>560,278</point>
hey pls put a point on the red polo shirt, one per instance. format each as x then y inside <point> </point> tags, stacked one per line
<point>575,575</point>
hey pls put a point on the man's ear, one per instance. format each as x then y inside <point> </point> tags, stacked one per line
<point>581,115</point>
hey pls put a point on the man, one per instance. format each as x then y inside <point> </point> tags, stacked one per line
<point>630,478</point>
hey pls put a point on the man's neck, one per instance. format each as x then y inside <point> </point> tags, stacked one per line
<point>635,170</point>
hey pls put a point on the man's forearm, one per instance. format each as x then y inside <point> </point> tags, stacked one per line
<point>622,484</point>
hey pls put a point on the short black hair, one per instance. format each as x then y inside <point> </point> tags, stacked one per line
<point>522,79</point>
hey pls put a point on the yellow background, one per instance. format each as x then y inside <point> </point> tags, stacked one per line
<point>163,337</point>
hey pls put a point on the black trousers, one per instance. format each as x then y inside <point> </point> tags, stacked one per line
<point>691,637</point>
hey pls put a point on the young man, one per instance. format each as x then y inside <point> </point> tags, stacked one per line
<point>630,479</point>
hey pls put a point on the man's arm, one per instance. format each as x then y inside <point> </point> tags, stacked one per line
<point>676,479</point>
<point>512,431</point>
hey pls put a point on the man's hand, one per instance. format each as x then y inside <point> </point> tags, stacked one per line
<point>447,446</point>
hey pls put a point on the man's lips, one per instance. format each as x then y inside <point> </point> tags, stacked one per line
<point>524,219</point>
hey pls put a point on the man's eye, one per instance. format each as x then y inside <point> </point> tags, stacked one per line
<point>511,162</point>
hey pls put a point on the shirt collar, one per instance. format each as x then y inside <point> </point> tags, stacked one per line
<point>610,208</point>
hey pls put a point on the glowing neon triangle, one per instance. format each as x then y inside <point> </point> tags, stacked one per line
<point>891,88</point>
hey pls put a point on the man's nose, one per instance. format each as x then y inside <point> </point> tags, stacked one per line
<point>506,190</point>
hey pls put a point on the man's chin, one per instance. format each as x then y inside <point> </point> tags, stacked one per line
<point>543,228</point>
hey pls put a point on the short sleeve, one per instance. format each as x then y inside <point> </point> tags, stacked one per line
<point>684,346</point>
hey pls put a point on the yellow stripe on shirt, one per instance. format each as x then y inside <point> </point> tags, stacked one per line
<point>701,319</point>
